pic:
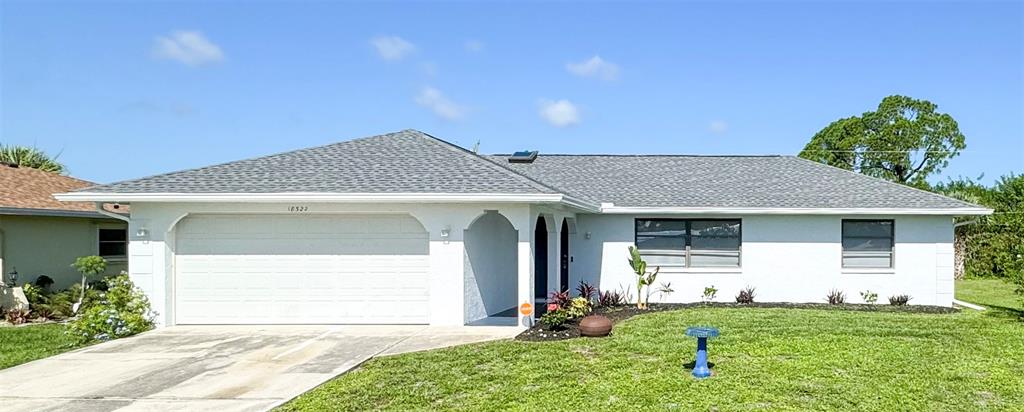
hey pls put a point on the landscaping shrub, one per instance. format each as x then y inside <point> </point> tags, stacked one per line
<point>835,297</point>
<point>746,295</point>
<point>709,294</point>
<point>554,319</point>
<point>664,289</point>
<point>123,311</point>
<point>610,298</point>
<point>899,300</point>
<point>44,282</point>
<point>869,297</point>
<point>16,316</point>
<point>87,266</point>
<point>62,302</point>
<point>586,290</point>
<point>560,298</point>
<point>43,311</point>
<point>644,278</point>
<point>33,293</point>
<point>577,308</point>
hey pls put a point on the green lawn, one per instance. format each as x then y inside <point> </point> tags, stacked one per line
<point>994,293</point>
<point>27,343</point>
<point>777,359</point>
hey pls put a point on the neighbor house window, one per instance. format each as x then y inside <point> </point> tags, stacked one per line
<point>689,242</point>
<point>867,243</point>
<point>113,242</point>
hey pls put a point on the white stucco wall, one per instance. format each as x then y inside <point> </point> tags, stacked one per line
<point>151,256</point>
<point>490,266</point>
<point>45,245</point>
<point>787,258</point>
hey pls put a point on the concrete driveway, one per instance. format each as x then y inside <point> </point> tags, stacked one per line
<point>222,368</point>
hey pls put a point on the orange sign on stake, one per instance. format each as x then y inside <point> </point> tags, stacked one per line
<point>526,308</point>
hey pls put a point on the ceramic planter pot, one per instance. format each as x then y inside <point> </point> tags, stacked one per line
<point>595,326</point>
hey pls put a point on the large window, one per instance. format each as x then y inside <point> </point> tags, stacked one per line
<point>689,243</point>
<point>867,243</point>
<point>113,243</point>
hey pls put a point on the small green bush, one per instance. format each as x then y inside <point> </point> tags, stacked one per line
<point>577,308</point>
<point>746,295</point>
<point>123,311</point>
<point>33,293</point>
<point>899,300</point>
<point>554,319</point>
<point>62,302</point>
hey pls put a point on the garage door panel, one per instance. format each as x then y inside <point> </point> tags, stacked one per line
<point>322,269</point>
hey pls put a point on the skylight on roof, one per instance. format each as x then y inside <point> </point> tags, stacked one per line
<point>523,157</point>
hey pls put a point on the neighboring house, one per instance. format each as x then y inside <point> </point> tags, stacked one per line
<point>407,228</point>
<point>42,236</point>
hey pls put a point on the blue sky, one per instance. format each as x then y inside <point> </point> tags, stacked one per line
<point>125,90</point>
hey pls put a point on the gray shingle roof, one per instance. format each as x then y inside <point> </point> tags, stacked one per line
<point>403,162</point>
<point>720,181</point>
<point>414,162</point>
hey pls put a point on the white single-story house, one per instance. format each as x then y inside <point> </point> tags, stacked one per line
<point>42,236</point>
<point>406,228</point>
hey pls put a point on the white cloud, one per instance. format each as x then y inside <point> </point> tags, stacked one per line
<point>429,68</point>
<point>474,46</point>
<point>443,107</point>
<point>594,67</point>
<point>187,47</point>
<point>392,47</point>
<point>560,113</point>
<point>718,127</point>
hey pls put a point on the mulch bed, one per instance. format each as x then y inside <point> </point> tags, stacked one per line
<point>541,333</point>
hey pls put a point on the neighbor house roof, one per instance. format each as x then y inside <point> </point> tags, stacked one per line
<point>27,191</point>
<point>670,181</point>
<point>411,163</point>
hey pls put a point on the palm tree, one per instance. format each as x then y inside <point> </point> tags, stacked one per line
<point>31,157</point>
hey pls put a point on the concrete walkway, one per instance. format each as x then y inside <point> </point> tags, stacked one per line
<point>207,368</point>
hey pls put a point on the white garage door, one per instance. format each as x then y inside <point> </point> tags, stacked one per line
<point>279,269</point>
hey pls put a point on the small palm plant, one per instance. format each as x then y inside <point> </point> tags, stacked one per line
<point>644,278</point>
<point>30,157</point>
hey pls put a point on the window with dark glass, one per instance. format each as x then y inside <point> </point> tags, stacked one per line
<point>867,243</point>
<point>689,242</point>
<point>113,242</point>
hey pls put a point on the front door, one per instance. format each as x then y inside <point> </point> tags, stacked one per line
<point>564,268</point>
<point>540,267</point>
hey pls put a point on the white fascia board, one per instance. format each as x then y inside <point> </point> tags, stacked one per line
<point>611,209</point>
<point>313,197</point>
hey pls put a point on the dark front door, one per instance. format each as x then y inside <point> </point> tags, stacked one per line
<point>563,276</point>
<point>540,268</point>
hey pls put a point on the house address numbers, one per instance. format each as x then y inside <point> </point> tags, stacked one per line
<point>298,208</point>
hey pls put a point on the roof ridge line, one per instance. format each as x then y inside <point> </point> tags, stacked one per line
<point>641,155</point>
<point>890,182</point>
<point>459,149</point>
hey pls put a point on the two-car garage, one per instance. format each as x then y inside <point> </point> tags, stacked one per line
<point>301,269</point>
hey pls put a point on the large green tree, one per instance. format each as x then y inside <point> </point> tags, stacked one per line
<point>30,157</point>
<point>991,245</point>
<point>904,140</point>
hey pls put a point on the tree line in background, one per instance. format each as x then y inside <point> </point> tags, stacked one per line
<point>906,140</point>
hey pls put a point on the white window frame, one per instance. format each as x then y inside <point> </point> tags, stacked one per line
<point>687,252</point>
<point>891,254</point>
